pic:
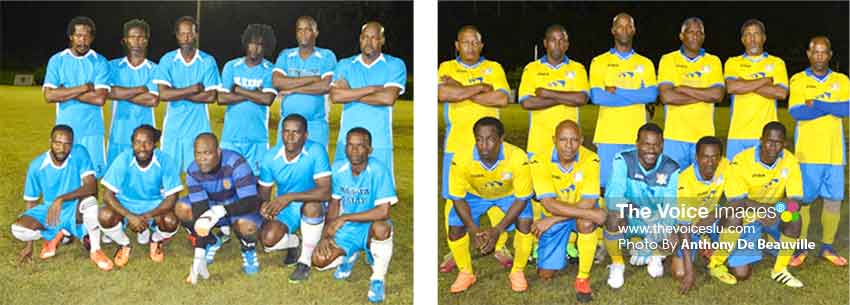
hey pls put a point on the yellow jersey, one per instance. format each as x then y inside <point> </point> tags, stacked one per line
<point>567,185</point>
<point>694,192</point>
<point>751,111</point>
<point>767,184</point>
<point>689,123</point>
<point>469,177</point>
<point>619,125</point>
<point>819,140</point>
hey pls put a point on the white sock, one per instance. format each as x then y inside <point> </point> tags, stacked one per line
<point>282,244</point>
<point>88,209</point>
<point>117,234</point>
<point>159,236</point>
<point>199,263</point>
<point>25,234</point>
<point>311,234</point>
<point>144,237</point>
<point>382,251</point>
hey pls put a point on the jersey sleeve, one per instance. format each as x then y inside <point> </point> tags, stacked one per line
<point>212,81</point>
<point>443,70</point>
<point>541,180</point>
<point>268,83</point>
<point>328,64</point>
<point>590,186</point>
<point>580,81</point>
<point>522,177</point>
<point>113,179</point>
<point>500,82</point>
<point>383,188</point>
<point>32,186</point>
<point>794,187</point>
<point>86,167</point>
<point>51,75</point>
<point>340,71</point>
<point>152,88</point>
<point>227,78</point>
<point>162,76</point>
<point>458,185</point>
<point>280,64</point>
<point>321,168</point>
<point>266,173</point>
<point>715,77</point>
<point>196,190</point>
<point>102,74</point>
<point>736,184</point>
<point>797,94</point>
<point>730,69</point>
<point>397,75</point>
<point>527,85</point>
<point>648,76</point>
<point>667,72</point>
<point>171,183</point>
<point>597,74</point>
<point>244,180</point>
<point>780,75</point>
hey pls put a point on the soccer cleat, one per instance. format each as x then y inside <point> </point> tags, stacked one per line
<point>721,273</point>
<point>504,257</point>
<point>291,256</point>
<point>376,291</point>
<point>655,267</point>
<point>300,274</point>
<point>101,260</point>
<point>157,254</point>
<point>798,259</point>
<point>343,271</point>
<point>448,264</point>
<point>250,264</point>
<point>786,278</point>
<point>615,275</point>
<point>829,254</point>
<point>212,249</point>
<point>583,292</point>
<point>122,256</point>
<point>518,282</point>
<point>462,282</point>
<point>49,248</point>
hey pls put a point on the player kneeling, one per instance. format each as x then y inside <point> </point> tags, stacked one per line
<point>141,189</point>
<point>359,214</point>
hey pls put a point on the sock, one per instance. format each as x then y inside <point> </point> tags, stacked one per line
<point>117,235</point>
<point>248,242</point>
<point>88,209</point>
<point>586,250</point>
<point>805,219</point>
<point>460,251</point>
<point>784,255</point>
<point>280,245</point>
<point>25,234</point>
<point>159,235</point>
<point>829,220</point>
<point>382,252</point>
<point>612,245</point>
<point>719,256</point>
<point>225,230</point>
<point>311,233</point>
<point>496,216</point>
<point>522,249</point>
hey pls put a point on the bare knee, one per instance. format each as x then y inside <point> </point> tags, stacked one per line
<point>312,209</point>
<point>381,230</point>
<point>107,217</point>
<point>245,228</point>
<point>167,222</point>
<point>677,268</point>
<point>524,225</point>
<point>456,232</point>
<point>613,223</point>
<point>183,211</point>
<point>29,223</point>
<point>742,273</point>
<point>791,229</point>
<point>585,227</point>
<point>545,274</point>
<point>272,233</point>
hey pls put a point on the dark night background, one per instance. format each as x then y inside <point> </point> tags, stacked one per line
<point>32,32</point>
<point>511,29</point>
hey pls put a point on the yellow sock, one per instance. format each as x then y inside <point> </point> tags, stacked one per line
<point>522,247</point>
<point>719,256</point>
<point>573,239</point>
<point>805,219</point>
<point>829,221</point>
<point>599,234</point>
<point>784,254</point>
<point>612,244</point>
<point>536,214</point>
<point>460,251</point>
<point>586,250</point>
<point>496,215</point>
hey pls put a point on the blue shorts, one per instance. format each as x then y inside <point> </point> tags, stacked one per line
<point>253,152</point>
<point>97,154</point>
<point>735,146</point>
<point>67,220</point>
<point>478,207</point>
<point>822,180</point>
<point>552,246</point>
<point>353,237</point>
<point>683,153</point>
<point>181,150</point>
<point>115,149</point>
<point>751,233</point>
<point>606,154</point>
<point>444,180</point>
<point>255,218</point>
<point>317,131</point>
<point>291,216</point>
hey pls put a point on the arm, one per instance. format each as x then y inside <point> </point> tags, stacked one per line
<point>708,95</point>
<point>96,97</point>
<point>126,93</point>
<point>496,98</point>
<point>380,212</point>
<point>205,97</point>
<point>342,95</point>
<point>168,94</point>
<point>240,94</point>
<point>623,97</point>
<point>742,86</point>
<point>61,94</point>
<point>146,99</point>
<point>536,103</point>
<point>449,90</point>
<point>89,188</point>
<point>775,92</point>
<point>321,86</point>
<point>164,207</point>
<point>805,113</point>
<point>582,210</point>
<point>384,96</point>
<point>569,98</point>
<point>668,94</point>
<point>112,201</point>
<point>285,83</point>
<point>322,192</point>
<point>839,109</point>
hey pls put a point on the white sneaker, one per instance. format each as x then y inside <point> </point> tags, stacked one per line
<point>615,275</point>
<point>655,267</point>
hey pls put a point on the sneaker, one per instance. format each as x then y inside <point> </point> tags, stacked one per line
<point>462,282</point>
<point>49,248</point>
<point>212,249</point>
<point>504,257</point>
<point>798,259</point>
<point>122,256</point>
<point>376,291</point>
<point>291,257</point>
<point>300,274</point>
<point>786,278</point>
<point>250,264</point>
<point>343,271</point>
<point>157,254</point>
<point>655,267</point>
<point>448,264</point>
<point>518,282</point>
<point>829,254</point>
<point>583,292</point>
<point>101,260</point>
<point>721,273</point>
<point>615,275</point>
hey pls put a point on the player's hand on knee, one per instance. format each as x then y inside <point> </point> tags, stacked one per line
<point>491,235</point>
<point>53,212</point>
<point>541,225</point>
<point>136,223</point>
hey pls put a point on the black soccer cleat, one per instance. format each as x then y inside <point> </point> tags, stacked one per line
<point>300,274</point>
<point>291,257</point>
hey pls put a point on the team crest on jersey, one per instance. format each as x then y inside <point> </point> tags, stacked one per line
<point>579,177</point>
<point>706,69</point>
<point>768,68</point>
<point>570,75</point>
<point>718,180</point>
<point>506,176</point>
<point>835,87</point>
<point>784,173</point>
<point>226,184</point>
<point>488,71</point>
<point>661,179</point>
<point>639,69</point>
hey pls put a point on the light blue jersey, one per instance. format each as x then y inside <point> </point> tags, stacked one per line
<point>185,119</point>
<point>246,121</point>
<point>631,183</point>
<point>142,189</point>
<point>297,175</point>
<point>386,71</point>
<point>126,115</point>
<point>49,181</point>
<point>312,107</point>
<point>371,188</point>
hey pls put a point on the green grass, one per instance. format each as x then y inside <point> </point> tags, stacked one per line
<point>825,284</point>
<point>71,278</point>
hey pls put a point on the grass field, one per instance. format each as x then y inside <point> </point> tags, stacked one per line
<point>70,278</point>
<point>825,284</point>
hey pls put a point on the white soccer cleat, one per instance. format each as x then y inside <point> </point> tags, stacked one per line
<point>655,267</point>
<point>615,275</point>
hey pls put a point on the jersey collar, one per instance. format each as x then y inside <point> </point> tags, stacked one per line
<point>555,160</point>
<point>126,61</point>
<point>699,176</point>
<point>90,52</point>
<point>778,159</point>
<point>297,51</point>
<point>501,157</point>
<point>545,60</point>
<point>755,58</point>
<point>154,160</point>
<point>814,76</point>
<point>700,54</point>
<point>359,58</point>
<point>281,153</point>
<point>179,56</point>
<point>622,55</point>
<point>472,66</point>
<point>49,161</point>
<point>241,61</point>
